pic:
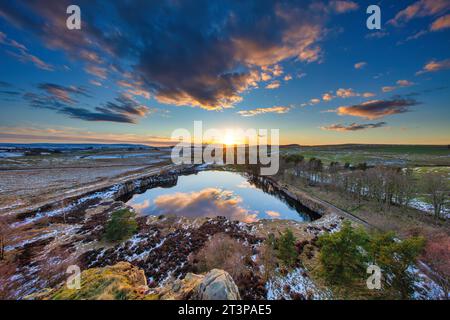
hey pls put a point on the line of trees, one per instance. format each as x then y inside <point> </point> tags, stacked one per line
<point>385,185</point>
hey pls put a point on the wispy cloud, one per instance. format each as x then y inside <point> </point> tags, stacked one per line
<point>273,85</point>
<point>360,65</point>
<point>62,100</point>
<point>400,84</point>
<point>22,54</point>
<point>441,23</point>
<point>353,127</point>
<point>434,66</point>
<point>421,8</point>
<point>258,111</point>
<point>67,134</point>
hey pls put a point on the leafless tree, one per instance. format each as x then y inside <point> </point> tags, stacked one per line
<point>435,186</point>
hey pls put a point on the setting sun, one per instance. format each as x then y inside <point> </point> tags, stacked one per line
<point>229,139</point>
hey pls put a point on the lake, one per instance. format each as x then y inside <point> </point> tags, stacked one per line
<point>220,193</point>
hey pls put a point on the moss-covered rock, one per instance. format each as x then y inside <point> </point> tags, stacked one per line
<point>122,281</point>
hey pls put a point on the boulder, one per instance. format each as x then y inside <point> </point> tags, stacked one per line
<point>217,285</point>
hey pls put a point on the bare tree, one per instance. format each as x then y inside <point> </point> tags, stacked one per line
<point>437,191</point>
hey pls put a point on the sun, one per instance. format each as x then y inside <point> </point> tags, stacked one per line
<point>229,139</point>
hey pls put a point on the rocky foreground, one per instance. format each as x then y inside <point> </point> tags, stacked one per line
<point>162,259</point>
<point>163,248</point>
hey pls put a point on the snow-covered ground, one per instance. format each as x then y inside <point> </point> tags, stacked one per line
<point>296,283</point>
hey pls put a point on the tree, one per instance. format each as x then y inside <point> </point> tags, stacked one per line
<point>394,257</point>
<point>285,247</point>
<point>121,225</point>
<point>297,160</point>
<point>342,260</point>
<point>436,188</point>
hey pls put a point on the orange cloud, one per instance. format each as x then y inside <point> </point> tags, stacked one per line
<point>441,23</point>
<point>434,66</point>
<point>209,202</point>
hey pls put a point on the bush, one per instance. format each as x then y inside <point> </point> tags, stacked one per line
<point>222,252</point>
<point>121,225</point>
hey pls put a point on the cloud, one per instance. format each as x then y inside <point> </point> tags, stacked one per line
<point>314,101</point>
<point>273,85</point>
<point>400,84</point>
<point>95,83</point>
<point>203,54</point>
<point>353,127</point>
<point>346,93</point>
<point>273,214</point>
<point>360,65</point>
<point>327,97</point>
<point>22,54</point>
<point>441,23</point>
<point>388,88</point>
<point>287,77</point>
<point>434,66</point>
<point>343,6</point>
<point>63,93</point>
<point>257,111</point>
<point>67,134</point>
<point>61,99</point>
<point>375,109</point>
<point>421,8</point>
<point>209,202</point>
<point>368,94</point>
<point>99,72</point>
<point>405,83</point>
<point>438,25</point>
<point>376,35</point>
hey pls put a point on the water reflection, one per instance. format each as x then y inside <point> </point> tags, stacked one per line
<point>218,193</point>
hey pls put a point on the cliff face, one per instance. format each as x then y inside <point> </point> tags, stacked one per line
<point>123,281</point>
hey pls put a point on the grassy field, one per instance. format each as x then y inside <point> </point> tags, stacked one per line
<point>396,155</point>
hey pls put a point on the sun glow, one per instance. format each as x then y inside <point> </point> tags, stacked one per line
<point>229,139</point>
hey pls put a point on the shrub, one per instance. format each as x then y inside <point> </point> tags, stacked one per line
<point>341,255</point>
<point>285,248</point>
<point>222,252</point>
<point>121,225</point>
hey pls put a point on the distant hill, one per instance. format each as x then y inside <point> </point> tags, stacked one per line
<point>71,146</point>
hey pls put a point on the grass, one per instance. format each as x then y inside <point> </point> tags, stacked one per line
<point>401,155</point>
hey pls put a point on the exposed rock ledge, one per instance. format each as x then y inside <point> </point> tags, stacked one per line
<point>123,281</point>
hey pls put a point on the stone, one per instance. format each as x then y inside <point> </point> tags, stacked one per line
<point>217,285</point>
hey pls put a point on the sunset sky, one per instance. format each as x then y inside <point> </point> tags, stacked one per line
<point>137,70</point>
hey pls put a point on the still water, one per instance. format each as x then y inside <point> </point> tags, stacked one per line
<point>219,193</point>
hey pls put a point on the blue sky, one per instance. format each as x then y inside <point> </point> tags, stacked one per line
<point>138,70</point>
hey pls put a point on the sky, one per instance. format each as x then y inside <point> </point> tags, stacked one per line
<point>138,70</point>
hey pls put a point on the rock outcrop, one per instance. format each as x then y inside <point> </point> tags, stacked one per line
<point>215,285</point>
